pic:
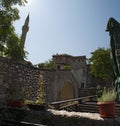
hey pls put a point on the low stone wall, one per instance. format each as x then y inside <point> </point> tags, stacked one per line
<point>87,91</point>
<point>57,118</point>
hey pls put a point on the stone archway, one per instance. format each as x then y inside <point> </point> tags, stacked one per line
<point>67,91</point>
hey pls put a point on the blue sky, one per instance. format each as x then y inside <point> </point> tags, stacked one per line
<point>74,27</point>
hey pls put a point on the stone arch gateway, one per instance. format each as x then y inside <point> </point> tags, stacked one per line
<point>64,86</point>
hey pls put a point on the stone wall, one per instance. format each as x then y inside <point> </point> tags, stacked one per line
<point>25,77</point>
<point>20,76</point>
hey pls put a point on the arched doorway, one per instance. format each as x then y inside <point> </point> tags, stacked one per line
<point>67,92</point>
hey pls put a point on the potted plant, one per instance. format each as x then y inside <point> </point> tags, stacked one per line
<point>36,105</point>
<point>106,102</point>
<point>14,97</point>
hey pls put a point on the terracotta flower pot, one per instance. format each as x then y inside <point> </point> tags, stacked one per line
<point>107,109</point>
<point>17,103</point>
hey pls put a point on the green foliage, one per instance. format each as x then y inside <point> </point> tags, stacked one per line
<point>9,40</point>
<point>67,67</point>
<point>13,49</point>
<point>47,65</point>
<point>101,64</point>
<point>107,95</point>
<point>40,93</point>
<point>50,64</point>
<point>40,98</point>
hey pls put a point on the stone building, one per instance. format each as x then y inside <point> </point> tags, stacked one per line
<point>75,81</point>
<point>77,64</point>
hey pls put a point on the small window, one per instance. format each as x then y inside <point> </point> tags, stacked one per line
<point>58,67</point>
<point>82,85</point>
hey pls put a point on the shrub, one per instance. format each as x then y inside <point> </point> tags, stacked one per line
<point>107,95</point>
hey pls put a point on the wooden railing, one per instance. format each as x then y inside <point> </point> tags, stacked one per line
<point>83,104</point>
<point>71,104</point>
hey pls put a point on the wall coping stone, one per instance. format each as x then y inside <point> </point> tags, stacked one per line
<point>53,117</point>
<point>83,118</point>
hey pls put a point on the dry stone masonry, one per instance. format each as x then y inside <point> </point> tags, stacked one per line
<point>16,75</point>
<point>26,78</point>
